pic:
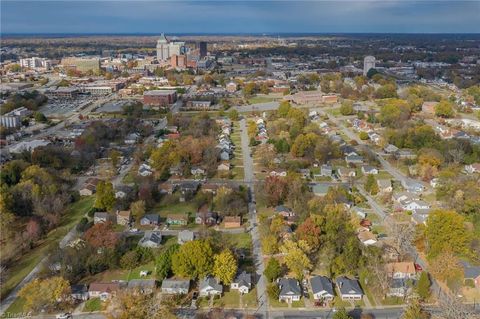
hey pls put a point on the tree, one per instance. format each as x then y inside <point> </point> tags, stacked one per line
<point>163,264</point>
<point>225,266</point>
<point>273,291</point>
<point>363,136</point>
<point>233,115</point>
<point>347,108</point>
<point>446,267</point>
<point>414,311</point>
<point>296,257</point>
<point>273,269</point>
<point>372,72</point>
<point>138,209</point>
<point>394,113</point>
<point>371,185</point>
<point>104,196</point>
<point>309,232</point>
<point>129,260</point>
<point>249,89</point>
<point>304,145</point>
<point>39,294</point>
<point>445,231</point>
<point>423,286</point>
<point>33,230</point>
<point>114,157</point>
<point>284,108</point>
<point>275,189</point>
<point>101,235</point>
<point>194,259</point>
<point>270,244</point>
<point>40,117</point>
<point>341,314</point>
<point>444,109</point>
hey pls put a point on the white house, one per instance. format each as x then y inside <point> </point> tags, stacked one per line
<point>349,289</point>
<point>209,286</point>
<point>242,283</point>
<point>322,288</point>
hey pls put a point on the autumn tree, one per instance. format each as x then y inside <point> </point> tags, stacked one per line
<point>270,244</point>
<point>445,231</point>
<point>194,259</point>
<point>444,109</point>
<point>347,108</point>
<point>371,185</point>
<point>414,311</point>
<point>276,190</point>
<point>101,235</point>
<point>446,267</point>
<point>284,108</point>
<point>104,196</point>
<point>225,266</point>
<point>296,256</point>
<point>44,293</point>
<point>138,209</point>
<point>164,157</point>
<point>341,314</point>
<point>309,232</point>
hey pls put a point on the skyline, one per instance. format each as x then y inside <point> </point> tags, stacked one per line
<point>238,17</point>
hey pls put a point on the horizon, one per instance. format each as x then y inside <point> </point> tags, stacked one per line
<point>240,17</point>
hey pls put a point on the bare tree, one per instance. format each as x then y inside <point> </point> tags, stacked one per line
<point>403,235</point>
<point>452,308</point>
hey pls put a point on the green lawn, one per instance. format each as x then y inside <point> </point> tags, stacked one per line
<point>338,302</point>
<point>230,299</point>
<point>24,265</point>
<point>94,304</point>
<point>250,299</point>
<point>15,307</point>
<point>276,304</point>
<point>238,173</point>
<point>393,301</point>
<point>242,240</point>
<point>260,99</point>
<point>135,273</point>
<point>177,208</point>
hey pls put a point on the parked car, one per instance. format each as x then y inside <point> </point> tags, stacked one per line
<point>66,315</point>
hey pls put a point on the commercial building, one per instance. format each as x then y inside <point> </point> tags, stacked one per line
<point>14,117</point>
<point>35,62</point>
<point>159,97</point>
<point>368,63</point>
<point>178,61</point>
<point>166,49</point>
<point>62,93</point>
<point>81,64</point>
<point>202,46</point>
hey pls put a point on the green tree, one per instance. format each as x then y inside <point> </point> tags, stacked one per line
<point>371,73</point>
<point>341,314</point>
<point>194,259</point>
<point>284,108</point>
<point>270,244</point>
<point>444,109</point>
<point>363,136</point>
<point>225,266</point>
<point>273,269</point>
<point>423,286</point>
<point>347,108</point>
<point>394,113</point>
<point>129,260</point>
<point>296,257</point>
<point>249,89</point>
<point>371,184</point>
<point>163,263</point>
<point>273,291</point>
<point>104,196</point>
<point>414,311</point>
<point>114,157</point>
<point>445,231</point>
<point>138,209</point>
<point>233,115</point>
<point>40,117</point>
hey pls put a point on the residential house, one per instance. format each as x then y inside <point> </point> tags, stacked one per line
<point>304,172</point>
<point>367,169</point>
<point>349,288</point>
<point>354,159</point>
<point>401,270</point>
<point>326,170</point>
<point>103,290</point>
<point>197,171</point>
<point>145,170</point>
<point>232,221</point>
<point>320,189</point>
<point>405,197</point>
<point>210,188</point>
<point>188,189</point>
<point>177,219</point>
<point>278,173</point>
<point>205,216</point>
<point>345,174</point>
<point>224,155</point>
<point>210,286</point>
<point>167,188</point>
<point>223,167</point>
<point>415,205</point>
<point>143,286</point>
<point>360,212</point>
<point>471,272</point>
<point>390,149</point>
<point>290,290</point>
<point>175,286</point>
<point>412,185</point>
<point>284,211</point>
<point>151,239</point>
<point>87,190</point>
<point>322,288</point>
<point>124,217</point>
<point>472,168</point>
<point>398,287</point>
<point>384,185</point>
<point>367,238</point>
<point>185,236</point>
<point>102,217</point>
<point>150,219</point>
<point>242,283</point>
<point>405,154</point>
<point>79,292</point>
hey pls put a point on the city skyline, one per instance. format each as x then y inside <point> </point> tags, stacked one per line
<point>230,17</point>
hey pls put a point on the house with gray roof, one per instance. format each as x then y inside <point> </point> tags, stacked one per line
<point>412,185</point>
<point>242,283</point>
<point>151,239</point>
<point>144,286</point>
<point>471,272</point>
<point>349,288</point>
<point>150,219</point>
<point>290,290</point>
<point>102,217</point>
<point>210,286</point>
<point>175,286</point>
<point>185,236</point>
<point>322,288</point>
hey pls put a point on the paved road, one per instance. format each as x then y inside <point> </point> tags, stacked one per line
<point>257,249</point>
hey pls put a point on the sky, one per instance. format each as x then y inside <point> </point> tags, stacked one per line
<point>271,17</point>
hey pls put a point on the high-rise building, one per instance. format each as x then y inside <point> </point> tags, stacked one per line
<point>166,49</point>
<point>32,63</point>
<point>368,63</point>
<point>203,49</point>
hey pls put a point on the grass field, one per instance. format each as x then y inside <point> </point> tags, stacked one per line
<point>261,99</point>
<point>94,304</point>
<point>25,264</point>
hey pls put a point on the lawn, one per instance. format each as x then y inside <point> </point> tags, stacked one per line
<point>94,304</point>
<point>242,240</point>
<point>237,173</point>
<point>25,264</point>
<point>260,99</point>
<point>230,299</point>
<point>176,208</point>
<point>15,308</point>
<point>250,299</point>
<point>274,303</point>
<point>392,301</point>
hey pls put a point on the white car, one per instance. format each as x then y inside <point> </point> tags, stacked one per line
<point>66,315</point>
